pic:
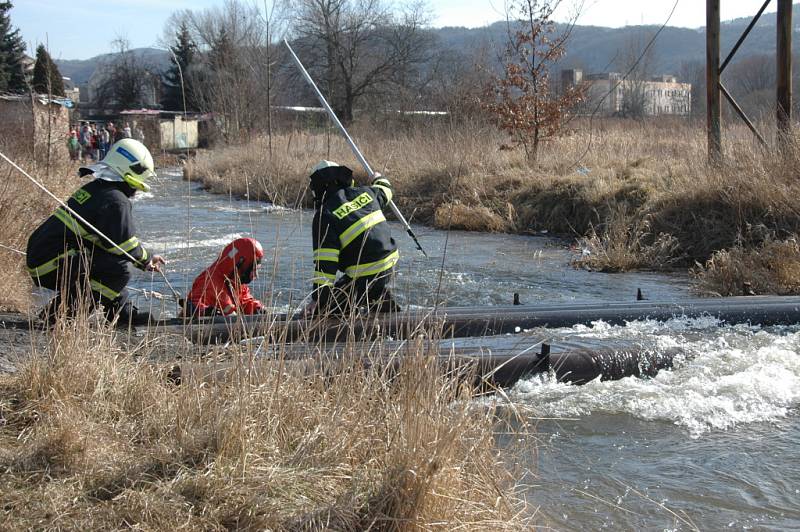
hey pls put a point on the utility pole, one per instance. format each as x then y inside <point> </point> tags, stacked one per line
<point>714,102</point>
<point>784,69</point>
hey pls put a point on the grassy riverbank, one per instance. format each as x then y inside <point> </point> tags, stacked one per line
<point>637,195</point>
<point>94,436</point>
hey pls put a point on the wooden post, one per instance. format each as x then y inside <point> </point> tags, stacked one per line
<point>714,102</point>
<point>784,89</point>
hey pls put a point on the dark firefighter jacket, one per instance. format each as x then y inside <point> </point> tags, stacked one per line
<point>106,206</point>
<point>351,235</point>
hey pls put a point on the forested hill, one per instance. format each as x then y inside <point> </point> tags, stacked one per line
<point>598,49</point>
<point>592,48</point>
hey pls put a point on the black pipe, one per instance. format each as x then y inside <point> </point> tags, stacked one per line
<point>475,321</point>
<point>488,370</point>
<point>585,365</point>
<point>490,321</point>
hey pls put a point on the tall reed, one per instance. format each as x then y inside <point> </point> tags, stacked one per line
<point>96,436</point>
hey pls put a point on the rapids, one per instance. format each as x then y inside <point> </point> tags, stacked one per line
<point>711,444</point>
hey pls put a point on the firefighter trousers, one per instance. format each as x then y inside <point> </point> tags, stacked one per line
<point>371,292</point>
<point>80,279</point>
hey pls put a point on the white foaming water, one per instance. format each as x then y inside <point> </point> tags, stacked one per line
<point>174,171</point>
<point>276,209</point>
<point>169,245</point>
<point>239,210</point>
<point>253,208</point>
<point>729,376</point>
<point>139,196</point>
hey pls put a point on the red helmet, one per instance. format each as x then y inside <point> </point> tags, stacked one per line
<point>243,255</point>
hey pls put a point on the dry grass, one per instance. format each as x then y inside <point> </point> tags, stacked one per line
<point>95,437</point>
<point>478,218</point>
<point>676,209</point>
<point>22,208</point>
<point>626,244</point>
<point>771,268</point>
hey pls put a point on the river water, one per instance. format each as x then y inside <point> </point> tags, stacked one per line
<point>711,444</point>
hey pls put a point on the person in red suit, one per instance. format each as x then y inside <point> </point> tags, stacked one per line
<point>222,287</point>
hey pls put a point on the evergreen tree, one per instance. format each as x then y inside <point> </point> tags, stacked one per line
<point>46,77</point>
<point>12,53</point>
<point>172,92</point>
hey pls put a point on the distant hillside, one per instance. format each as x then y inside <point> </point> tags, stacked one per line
<point>80,70</point>
<point>598,49</point>
<point>592,48</point>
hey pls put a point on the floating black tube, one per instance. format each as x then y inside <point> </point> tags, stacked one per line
<point>582,366</point>
<point>504,367</point>
<point>499,361</point>
<point>462,322</point>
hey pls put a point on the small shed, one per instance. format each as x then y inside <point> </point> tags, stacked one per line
<point>35,125</point>
<point>162,130</point>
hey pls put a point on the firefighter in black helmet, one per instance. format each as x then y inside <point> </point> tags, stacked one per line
<point>350,234</point>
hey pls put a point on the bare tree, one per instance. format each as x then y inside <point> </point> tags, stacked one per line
<point>796,82</point>
<point>752,80</point>
<point>694,73</point>
<point>268,28</point>
<point>522,102</point>
<point>231,76</point>
<point>124,79</point>
<point>360,48</point>
<point>457,81</point>
<point>638,67</point>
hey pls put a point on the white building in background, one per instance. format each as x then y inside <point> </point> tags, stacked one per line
<point>660,95</point>
<point>71,91</point>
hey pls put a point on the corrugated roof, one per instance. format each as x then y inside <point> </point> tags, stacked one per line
<point>41,98</point>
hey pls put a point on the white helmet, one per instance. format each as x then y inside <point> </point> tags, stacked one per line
<point>323,164</point>
<point>127,160</point>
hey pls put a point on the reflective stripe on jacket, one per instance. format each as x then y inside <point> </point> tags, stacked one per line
<point>106,206</point>
<point>350,234</point>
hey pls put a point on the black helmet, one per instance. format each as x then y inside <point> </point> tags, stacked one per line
<point>328,175</point>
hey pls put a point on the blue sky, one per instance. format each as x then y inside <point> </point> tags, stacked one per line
<point>79,29</point>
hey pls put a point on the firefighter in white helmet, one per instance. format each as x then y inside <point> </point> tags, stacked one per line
<point>66,256</point>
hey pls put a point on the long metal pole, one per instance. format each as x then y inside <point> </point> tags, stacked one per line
<point>350,142</point>
<point>712,82</point>
<point>784,60</point>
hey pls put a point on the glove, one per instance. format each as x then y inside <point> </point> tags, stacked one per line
<point>155,263</point>
<point>378,179</point>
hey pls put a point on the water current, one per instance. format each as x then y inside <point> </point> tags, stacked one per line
<point>711,444</point>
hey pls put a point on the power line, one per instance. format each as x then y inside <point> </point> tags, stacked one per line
<point>620,81</point>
